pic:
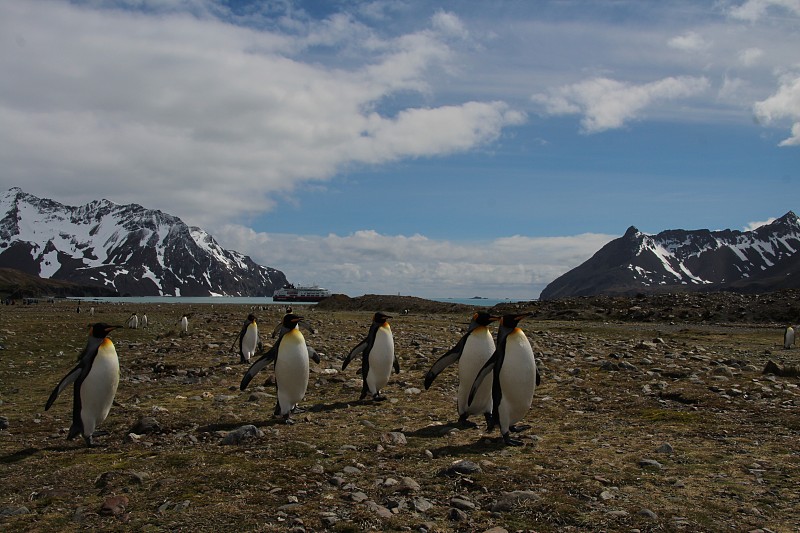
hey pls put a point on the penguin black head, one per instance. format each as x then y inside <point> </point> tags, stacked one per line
<point>483,318</point>
<point>380,318</point>
<point>101,329</point>
<point>511,321</point>
<point>290,320</point>
<point>251,317</point>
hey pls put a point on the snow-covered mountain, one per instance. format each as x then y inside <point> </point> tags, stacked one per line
<point>761,260</point>
<point>136,251</point>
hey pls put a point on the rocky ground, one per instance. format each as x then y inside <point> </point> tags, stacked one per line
<point>654,414</point>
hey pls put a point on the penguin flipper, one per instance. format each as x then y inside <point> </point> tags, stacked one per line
<point>485,371</point>
<point>450,357</point>
<point>312,354</point>
<point>259,365</point>
<point>276,330</point>
<point>396,365</point>
<point>69,378</point>
<point>355,351</point>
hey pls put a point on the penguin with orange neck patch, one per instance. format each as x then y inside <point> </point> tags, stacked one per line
<point>514,377</point>
<point>377,357</point>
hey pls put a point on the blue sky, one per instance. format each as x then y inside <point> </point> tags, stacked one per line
<point>429,148</point>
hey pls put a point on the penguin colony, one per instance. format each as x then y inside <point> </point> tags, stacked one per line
<point>496,380</point>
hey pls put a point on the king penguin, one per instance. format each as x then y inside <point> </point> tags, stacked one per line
<point>96,377</point>
<point>290,354</point>
<point>248,339</point>
<point>377,357</point>
<point>184,324</point>
<point>514,377</point>
<point>133,321</point>
<point>471,352</point>
<point>788,337</point>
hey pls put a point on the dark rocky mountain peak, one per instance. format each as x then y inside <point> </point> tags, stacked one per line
<point>127,248</point>
<point>761,260</point>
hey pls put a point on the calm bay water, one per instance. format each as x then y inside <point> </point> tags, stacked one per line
<point>245,300</point>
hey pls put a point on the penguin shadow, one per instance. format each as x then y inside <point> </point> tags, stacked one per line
<point>326,407</point>
<point>25,453</point>
<point>483,445</point>
<point>19,455</point>
<point>435,432</point>
<point>230,426</point>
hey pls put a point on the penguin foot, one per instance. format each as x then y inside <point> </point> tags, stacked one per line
<point>378,397</point>
<point>288,421</point>
<point>519,429</point>
<point>489,422</point>
<point>511,442</point>
<point>297,409</point>
<point>467,424</point>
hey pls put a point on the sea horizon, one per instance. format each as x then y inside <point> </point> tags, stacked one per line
<point>263,300</point>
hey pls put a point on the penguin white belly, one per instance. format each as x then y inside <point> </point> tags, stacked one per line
<point>184,324</point>
<point>517,380</point>
<point>477,350</point>
<point>381,359</point>
<point>99,387</point>
<point>250,341</point>
<point>291,370</point>
<point>788,338</point>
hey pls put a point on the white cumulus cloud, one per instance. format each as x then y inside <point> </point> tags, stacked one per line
<point>200,111</point>
<point>784,104</point>
<point>607,103</point>
<point>753,10</point>
<point>369,262</point>
<point>689,42</point>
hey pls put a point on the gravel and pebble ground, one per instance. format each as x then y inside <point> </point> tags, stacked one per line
<point>654,414</point>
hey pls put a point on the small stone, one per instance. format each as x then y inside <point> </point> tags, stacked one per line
<point>647,513</point>
<point>665,448</point>
<point>241,434</point>
<point>407,484</point>
<point>395,438</point>
<point>606,495</point>
<point>358,497</point>
<point>145,425</point>
<point>509,500</point>
<point>422,505</point>
<point>461,503</point>
<point>114,506</point>
<point>457,515</point>
<point>463,467</point>
<point>650,463</point>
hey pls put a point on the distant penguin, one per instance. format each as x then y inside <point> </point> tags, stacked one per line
<point>290,355</point>
<point>377,357</point>
<point>91,311</point>
<point>144,321</point>
<point>248,339</point>
<point>514,377</point>
<point>471,352</point>
<point>96,377</point>
<point>133,321</point>
<point>788,337</point>
<point>184,324</point>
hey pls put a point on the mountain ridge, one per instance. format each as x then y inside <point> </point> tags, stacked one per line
<point>126,248</point>
<point>760,260</point>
